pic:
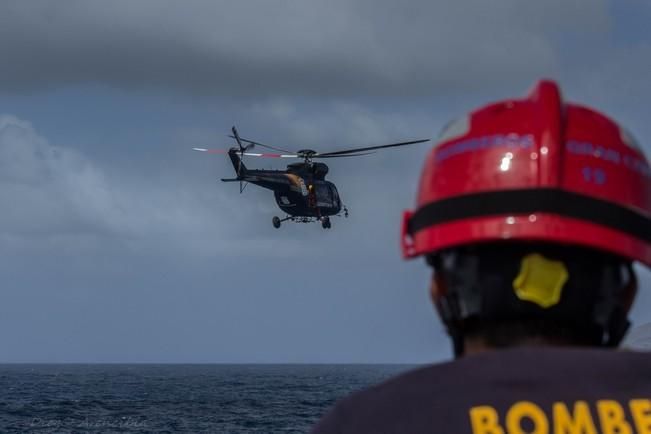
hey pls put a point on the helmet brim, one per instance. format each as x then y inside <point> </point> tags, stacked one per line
<point>538,227</point>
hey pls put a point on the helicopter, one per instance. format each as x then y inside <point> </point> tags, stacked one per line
<point>301,191</point>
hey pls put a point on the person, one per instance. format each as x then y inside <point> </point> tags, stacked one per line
<point>531,213</point>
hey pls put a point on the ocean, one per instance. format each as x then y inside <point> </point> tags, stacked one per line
<point>146,398</point>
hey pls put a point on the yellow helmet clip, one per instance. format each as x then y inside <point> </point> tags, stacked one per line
<point>540,280</point>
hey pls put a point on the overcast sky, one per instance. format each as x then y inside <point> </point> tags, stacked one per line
<point>117,243</point>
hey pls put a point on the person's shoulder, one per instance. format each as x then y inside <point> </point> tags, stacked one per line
<point>509,363</point>
<point>367,410</point>
<point>394,402</point>
<point>425,395</point>
<point>535,365</point>
<point>542,359</point>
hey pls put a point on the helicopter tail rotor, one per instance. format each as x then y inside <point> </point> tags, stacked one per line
<point>240,167</point>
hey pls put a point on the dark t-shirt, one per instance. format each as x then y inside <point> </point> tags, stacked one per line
<point>538,390</point>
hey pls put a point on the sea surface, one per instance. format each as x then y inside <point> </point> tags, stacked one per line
<point>176,398</point>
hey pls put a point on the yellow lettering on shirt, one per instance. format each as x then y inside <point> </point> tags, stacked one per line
<point>526,410</point>
<point>612,418</point>
<point>565,418</point>
<point>641,412</point>
<point>484,420</point>
<point>579,422</point>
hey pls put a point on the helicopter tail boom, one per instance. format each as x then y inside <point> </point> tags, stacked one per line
<point>238,165</point>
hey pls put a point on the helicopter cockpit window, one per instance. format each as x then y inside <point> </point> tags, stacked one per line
<point>322,191</point>
<point>335,195</point>
<point>323,194</point>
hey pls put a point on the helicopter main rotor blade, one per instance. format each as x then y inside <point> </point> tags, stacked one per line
<point>344,155</point>
<point>259,144</point>
<point>257,154</point>
<point>368,148</point>
<point>248,154</point>
<point>211,151</point>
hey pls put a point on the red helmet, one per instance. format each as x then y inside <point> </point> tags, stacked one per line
<point>534,169</point>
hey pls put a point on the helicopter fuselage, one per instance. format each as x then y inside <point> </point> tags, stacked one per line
<point>300,191</point>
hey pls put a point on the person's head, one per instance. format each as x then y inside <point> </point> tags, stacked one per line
<point>531,213</point>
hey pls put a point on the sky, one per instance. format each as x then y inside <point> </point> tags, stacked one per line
<point>118,243</point>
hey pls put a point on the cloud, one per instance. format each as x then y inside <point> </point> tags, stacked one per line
<point>57,198</point>
<point>104,264</point>
<point>118,244</point>
<point>325,48</point>
<point>109,262</point>
<point>50,189</point>
<point>60,199</point>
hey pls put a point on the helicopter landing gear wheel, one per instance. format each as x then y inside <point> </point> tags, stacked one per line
<point>276,222</point>
<point>325,223</point>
